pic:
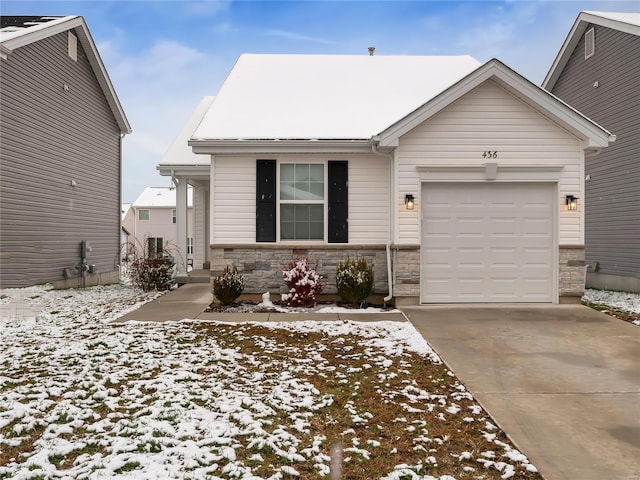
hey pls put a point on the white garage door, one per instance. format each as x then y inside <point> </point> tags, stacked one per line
<point>487,242</point>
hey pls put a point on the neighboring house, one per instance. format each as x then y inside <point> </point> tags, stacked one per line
<point>598,72</point>
<point>62,127</point>
<point>450,177</point>
<point>154,223</point>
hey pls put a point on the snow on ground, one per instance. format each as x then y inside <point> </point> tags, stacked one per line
<point>83,399</point>
<point>624,301</point>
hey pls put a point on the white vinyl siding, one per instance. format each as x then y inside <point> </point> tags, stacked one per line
<point>160,225</point>
<point>234,200</point>
<point>234,192</point>
<point>489,118</point>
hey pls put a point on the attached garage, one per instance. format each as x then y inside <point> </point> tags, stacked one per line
<point>487,242</point>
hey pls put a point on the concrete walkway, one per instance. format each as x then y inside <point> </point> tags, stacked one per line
<point>562,381</point>
<point>190,301</point>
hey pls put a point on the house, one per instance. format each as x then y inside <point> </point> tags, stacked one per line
<point>450,177</point>
<point>597,70</point>
<point>154,224</point>
<point>62,128</point>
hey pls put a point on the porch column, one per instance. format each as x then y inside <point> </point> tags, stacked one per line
<point>181,225</point>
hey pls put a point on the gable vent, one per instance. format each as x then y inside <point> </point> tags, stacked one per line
<point>73,46</point>
<point>589,43</point>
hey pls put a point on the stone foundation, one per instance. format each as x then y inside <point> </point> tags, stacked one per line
<point>406,274</point>
<point>262,265</point>
<point>572,272</point>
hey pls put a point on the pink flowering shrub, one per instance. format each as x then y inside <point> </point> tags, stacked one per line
<point>303,283</point>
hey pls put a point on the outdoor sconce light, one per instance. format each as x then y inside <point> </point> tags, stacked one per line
<point>572,202</point>
<point>409,201</point>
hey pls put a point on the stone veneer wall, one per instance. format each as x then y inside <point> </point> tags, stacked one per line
<point>406,272</point>
<point>262,265</point>
<point>572,271</point>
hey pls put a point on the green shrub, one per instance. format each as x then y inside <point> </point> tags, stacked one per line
<point>354,280</point>
<point>228,286</point>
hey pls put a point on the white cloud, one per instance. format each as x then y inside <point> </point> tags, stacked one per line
<point>158,87</point>
<point>297,37</point>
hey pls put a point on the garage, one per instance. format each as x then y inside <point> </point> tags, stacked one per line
<point>487,242</point>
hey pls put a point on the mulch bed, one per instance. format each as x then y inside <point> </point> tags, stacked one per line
<point>249,306</point>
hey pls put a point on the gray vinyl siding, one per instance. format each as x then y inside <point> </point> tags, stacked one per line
<point>51,136</point>
<point>612,218</point>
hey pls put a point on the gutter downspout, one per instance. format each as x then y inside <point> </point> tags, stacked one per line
<point>389,157</point>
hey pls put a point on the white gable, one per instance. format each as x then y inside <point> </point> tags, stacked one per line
<point>325,96</point>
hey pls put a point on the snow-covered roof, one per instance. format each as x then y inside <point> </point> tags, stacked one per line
<point>160,197</point>
<point>630,18</point>
<point>179,152</point>
<point>124,209</point>
<point>325,97</point>
<point>18,31</point>
<point>623,22</point>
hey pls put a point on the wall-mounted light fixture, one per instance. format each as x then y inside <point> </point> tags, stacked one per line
<point>409,201</point>
<point>572,202</point>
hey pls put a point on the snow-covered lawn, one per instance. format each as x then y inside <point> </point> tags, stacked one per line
<point>84,399</point>
<point>617,301</point>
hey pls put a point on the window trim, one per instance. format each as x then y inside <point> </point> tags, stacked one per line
<point>323,202</point>
<point>189,245</point>
<point>140,210</point>
<point>174,215</point>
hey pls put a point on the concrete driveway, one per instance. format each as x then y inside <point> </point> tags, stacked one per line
<point>563,381</point>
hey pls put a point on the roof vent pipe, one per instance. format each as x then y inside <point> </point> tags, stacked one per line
<point>372,50</point>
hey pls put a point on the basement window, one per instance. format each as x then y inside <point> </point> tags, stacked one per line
<point>589,43</point>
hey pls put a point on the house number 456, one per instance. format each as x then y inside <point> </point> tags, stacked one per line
<point>490,154</point>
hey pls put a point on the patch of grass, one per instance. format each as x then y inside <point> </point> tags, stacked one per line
<point>127,467</point>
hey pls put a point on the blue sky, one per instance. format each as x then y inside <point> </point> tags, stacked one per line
<point>164,56</point>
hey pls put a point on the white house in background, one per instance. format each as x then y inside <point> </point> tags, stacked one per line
<point>154,222</point>
<point>451,178</point>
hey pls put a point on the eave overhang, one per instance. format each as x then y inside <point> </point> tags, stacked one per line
<point>274,146</point>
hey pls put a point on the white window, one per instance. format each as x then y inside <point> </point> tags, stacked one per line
<point>589,43</point>
<point>143,214</point>
<point>173,216</point>
<point>189,245</point>
<point>302,201</point>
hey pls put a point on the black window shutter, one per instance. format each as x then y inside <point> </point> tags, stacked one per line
<point>338,202</point>
<point>266,201</point>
